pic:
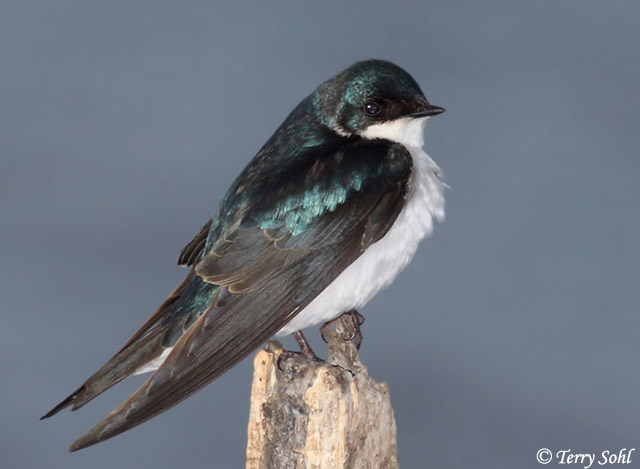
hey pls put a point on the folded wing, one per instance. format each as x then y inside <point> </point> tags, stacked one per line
<point>271,260</point>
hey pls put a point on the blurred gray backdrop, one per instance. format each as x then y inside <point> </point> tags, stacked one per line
<point>515,327</point>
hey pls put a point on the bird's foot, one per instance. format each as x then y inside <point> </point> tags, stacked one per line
<point>354,320</point>
<point>305,350</point>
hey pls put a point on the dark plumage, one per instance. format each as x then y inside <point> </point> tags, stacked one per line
<point>312,200</point>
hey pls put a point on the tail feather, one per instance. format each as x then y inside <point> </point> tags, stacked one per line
<point>65,403</point>
<point>120,366</point>
<point>146,345</point>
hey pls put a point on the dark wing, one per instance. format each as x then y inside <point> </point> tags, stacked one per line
<point>270,263</point>
<point>162,330</point>
<point>191,252</point>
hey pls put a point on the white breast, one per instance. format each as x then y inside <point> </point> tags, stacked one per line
<point>379,265</point>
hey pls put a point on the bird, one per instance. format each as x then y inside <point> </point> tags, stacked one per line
<point>324,216</point>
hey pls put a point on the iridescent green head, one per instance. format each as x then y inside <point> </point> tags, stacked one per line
<point>369,93</point>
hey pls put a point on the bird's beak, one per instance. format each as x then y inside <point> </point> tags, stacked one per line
<point>426,110</point>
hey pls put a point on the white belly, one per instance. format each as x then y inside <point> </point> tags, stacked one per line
<point>379,265</point>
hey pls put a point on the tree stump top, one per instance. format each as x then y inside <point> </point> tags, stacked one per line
<point>317,415</point>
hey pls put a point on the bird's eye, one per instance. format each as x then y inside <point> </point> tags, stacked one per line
<point>372,108</point>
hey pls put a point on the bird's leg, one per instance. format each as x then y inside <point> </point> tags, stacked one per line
<point>354,320</point>
<point>305,350</point>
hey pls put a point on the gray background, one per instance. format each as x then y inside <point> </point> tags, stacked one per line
<point>516,325</point>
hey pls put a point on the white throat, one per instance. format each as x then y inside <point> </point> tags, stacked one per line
<point>408,131</point>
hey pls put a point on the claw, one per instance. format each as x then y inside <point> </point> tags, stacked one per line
<point>355,320</point>
<point>305,351</point>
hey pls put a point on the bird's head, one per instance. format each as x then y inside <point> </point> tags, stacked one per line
<point>375,99</point>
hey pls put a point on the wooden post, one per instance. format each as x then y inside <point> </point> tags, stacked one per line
<point>308,415</point>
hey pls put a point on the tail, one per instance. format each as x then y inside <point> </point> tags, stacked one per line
<point>159,334</point>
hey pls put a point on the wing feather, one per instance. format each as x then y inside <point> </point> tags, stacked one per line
<point>275,260</point>
<point>160,331</point>
<point>191,252</point>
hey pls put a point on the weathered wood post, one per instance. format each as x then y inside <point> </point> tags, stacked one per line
<point>319,415</point>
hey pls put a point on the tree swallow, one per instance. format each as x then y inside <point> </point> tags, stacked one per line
<point>326,215</point>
